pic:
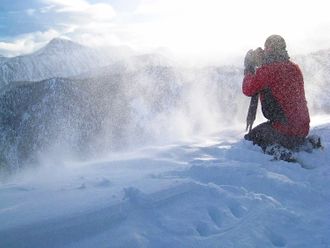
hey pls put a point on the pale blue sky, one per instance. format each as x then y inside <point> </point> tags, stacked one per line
<point>191,28</point>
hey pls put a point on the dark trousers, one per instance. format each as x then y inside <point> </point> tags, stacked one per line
<point>264,135</point>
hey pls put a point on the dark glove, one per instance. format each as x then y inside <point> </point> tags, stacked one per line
<point>249,62</point>
<point>259,56</point>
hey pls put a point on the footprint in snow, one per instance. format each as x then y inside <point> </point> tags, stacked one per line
<point>203,229</point>
<point>237,210</point>
<point>216,216</point>
<point>103,182</point>
<point>277,240</point>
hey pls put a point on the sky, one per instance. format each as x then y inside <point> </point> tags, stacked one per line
<point>199,29</point>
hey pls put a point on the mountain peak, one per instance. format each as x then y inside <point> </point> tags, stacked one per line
<point>61,42</point>
<point>59,45</point>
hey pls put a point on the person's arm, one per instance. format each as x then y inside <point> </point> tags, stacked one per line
<point>254,83</point>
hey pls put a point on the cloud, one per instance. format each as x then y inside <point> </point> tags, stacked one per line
<point>69,6</point>
<point>79,20</point>
<point>220,29</point>
<point>83,9</point>
<point>84,22</point>
<point>27,43</point>
<point>160,7</point>
<point>190,28</point>
<point>30,12</point>
<point>46,9</point>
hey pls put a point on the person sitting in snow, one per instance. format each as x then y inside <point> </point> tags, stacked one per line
<point>280,86</point>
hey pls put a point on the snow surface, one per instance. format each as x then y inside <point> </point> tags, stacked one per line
<point>219,191</point>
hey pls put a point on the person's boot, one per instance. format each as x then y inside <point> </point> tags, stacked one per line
<point>315,141</point>
<point>280,153</point>
<point>311,142</point>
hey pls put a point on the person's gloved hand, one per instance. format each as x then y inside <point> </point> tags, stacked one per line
<point>249,62</point>
<point>259,55</point>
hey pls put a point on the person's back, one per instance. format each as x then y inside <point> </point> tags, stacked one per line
<point>279,82</point>
<point>284,81</point>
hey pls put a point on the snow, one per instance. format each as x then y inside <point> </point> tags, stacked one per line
<point>213,191</point>
<point>59,58</point>
<point>216,191</point>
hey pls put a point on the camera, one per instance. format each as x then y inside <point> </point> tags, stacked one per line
<point>258,56</point>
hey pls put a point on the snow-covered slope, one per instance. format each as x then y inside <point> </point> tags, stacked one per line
<point>35,116</point>
<point>59,58</point>
<point>115,109</point>
<point>2,59</point>
<point>213,192</point>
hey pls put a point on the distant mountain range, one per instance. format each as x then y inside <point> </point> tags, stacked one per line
<point>59,58</point>
<point>72,99</point>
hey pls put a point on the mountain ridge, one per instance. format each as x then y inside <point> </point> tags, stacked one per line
<point>59,58</point>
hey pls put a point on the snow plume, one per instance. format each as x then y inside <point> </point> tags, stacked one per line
<point>152,101</point>
<point>133,102</point>
<point>167,103</point>
<point>315,68</point>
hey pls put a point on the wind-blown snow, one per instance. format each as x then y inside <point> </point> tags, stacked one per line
<point>216,191</point>
<point>130,102</point>
<point>213,192</point>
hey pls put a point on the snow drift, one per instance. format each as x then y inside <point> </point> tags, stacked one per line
<point>215,192</point>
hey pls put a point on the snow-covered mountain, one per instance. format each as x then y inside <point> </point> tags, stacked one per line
<point>35,116</point>
<point>3,60</point>
<point>59,58</point>
<point>316,70</point>
<point>115,109</point>
<point>107,111</point>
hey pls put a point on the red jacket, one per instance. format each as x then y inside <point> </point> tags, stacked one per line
<point>285,85</point>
